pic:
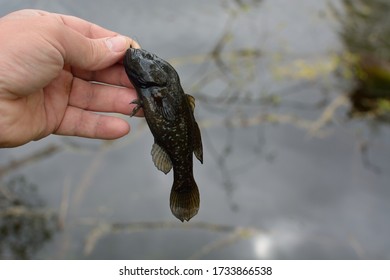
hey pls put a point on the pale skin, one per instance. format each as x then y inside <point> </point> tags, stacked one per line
<point>47,63</point>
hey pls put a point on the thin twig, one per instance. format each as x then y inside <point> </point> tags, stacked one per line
<point>37,155</point>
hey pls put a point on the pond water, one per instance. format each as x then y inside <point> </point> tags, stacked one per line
<point>287,173</point>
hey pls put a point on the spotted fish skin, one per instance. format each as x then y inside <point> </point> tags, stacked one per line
<point>169,114</point>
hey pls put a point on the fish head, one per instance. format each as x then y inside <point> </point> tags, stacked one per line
<point>145,69</point>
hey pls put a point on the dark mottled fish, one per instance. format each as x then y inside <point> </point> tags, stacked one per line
<point>169,113</point>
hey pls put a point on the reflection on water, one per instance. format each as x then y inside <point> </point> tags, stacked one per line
<point>230,234</point>
<point>365,31</point>
<point>287,173</point>
<point>25,225</point>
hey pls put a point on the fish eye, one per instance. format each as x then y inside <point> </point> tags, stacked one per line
<point>149,56</point>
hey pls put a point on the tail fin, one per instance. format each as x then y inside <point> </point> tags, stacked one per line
<point>184,200</point>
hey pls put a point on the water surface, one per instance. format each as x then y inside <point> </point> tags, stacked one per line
<point>286,174</point>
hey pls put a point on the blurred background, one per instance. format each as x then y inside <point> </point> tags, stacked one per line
<point>293,100</point>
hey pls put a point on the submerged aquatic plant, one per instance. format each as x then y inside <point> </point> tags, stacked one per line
<point>365,32</point>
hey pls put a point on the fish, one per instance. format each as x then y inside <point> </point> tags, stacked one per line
<point>169,113</point>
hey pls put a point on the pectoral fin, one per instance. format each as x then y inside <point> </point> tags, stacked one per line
<point>163,105</point>
<point>198,148</point>
<point>161,159</point>
<point>138,102</point>
<point>167,110</point>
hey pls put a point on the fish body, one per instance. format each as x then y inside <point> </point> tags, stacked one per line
<point>169,114</point>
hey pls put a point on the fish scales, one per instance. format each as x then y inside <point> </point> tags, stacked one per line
<point>169,114</point>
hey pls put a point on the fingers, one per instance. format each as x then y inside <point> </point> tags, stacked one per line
<point>78,122</point>
<point>88,46</point>
<point>102,98</point>
<point>91,30</point>
<point>114,75</point>
<point>86,28</point>
<point>85,97</point>
<point>91,54</point>
<point>135,44</point>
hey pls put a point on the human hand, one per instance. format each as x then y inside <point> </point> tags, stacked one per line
<point>47,63</point>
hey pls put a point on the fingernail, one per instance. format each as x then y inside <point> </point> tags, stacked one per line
<point>116,44</point>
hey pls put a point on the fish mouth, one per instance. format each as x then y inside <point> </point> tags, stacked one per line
<point>134,54</point>
<point>132,60</point>
<point>143,68</point>
<point>140,56</point>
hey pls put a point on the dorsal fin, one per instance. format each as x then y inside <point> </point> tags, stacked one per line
<point>198,148</point>
<point>191,101</point>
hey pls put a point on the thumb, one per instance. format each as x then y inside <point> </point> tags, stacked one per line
<point>94,54</point>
